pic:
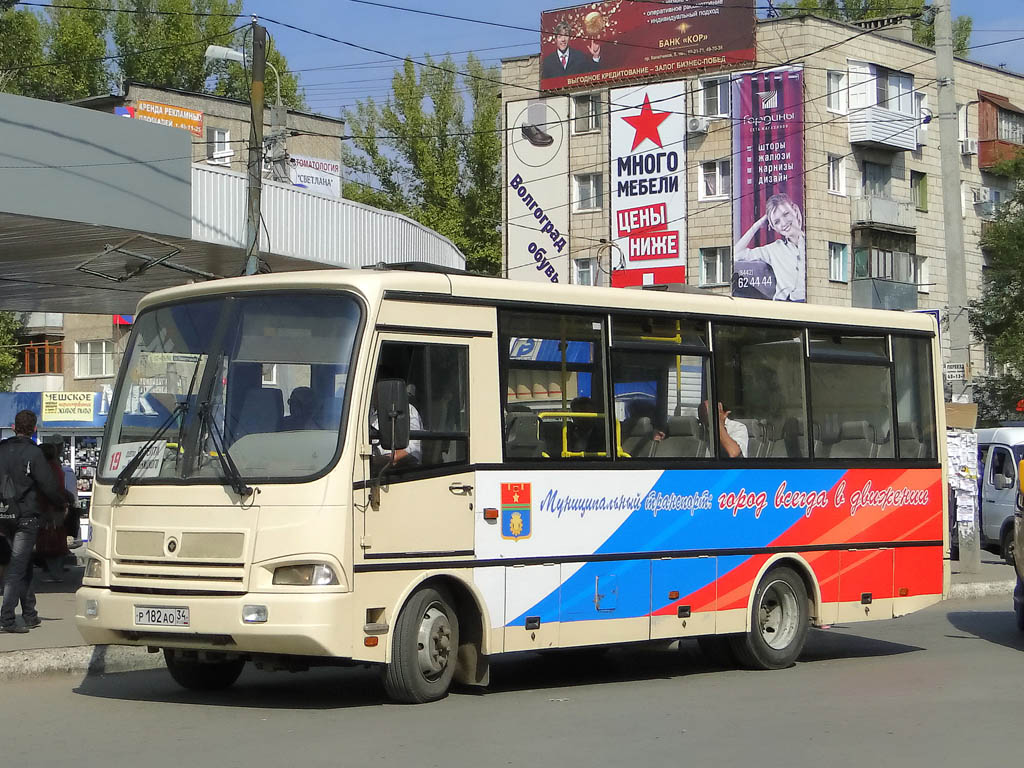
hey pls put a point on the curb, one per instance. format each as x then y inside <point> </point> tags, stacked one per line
<point>974,590</point>
<point>76,659</point>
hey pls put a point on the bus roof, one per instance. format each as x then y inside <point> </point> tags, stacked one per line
<point>421,286</point>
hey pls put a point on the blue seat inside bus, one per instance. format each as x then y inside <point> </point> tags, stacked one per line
<point>262,410</point>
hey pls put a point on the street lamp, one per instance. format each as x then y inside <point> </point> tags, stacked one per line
<point>223,53</point>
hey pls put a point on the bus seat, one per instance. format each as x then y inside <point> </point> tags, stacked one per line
<point>855,441</point>
<point>550,433</point>
<point>639,443</point>
<point>523,440</point>
<point>262,411</point>
<point>682,438</point>
<point>826,435</point>
<point>756,442</point>
<point>327,414</point>
<point>911,440</point>
<point>880,436</point>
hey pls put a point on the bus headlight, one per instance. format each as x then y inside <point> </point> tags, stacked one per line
<point>307,575</point>
<point>94,569</point>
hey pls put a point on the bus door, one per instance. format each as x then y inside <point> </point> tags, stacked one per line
<point>419,500</point>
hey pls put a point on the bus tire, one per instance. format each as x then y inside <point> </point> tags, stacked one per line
<point>202,675</point>
<point>778,623</point>
<point>1006,545</point>
<point>718,650</point>
<point>425,648</point>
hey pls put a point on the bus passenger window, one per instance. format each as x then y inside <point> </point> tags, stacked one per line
<point>761,391</point>
<point>915,401</point>
<point>555,404</point>
<point>851,396</point>
<point>436,377</point>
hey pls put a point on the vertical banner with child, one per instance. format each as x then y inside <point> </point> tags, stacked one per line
<point>770,253</point>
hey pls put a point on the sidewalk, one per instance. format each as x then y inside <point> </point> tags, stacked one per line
<point>56,646</point>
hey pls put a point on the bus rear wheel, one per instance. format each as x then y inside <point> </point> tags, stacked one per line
<point>778,623</point>
<point>425,648</point>
<point>202,675</point>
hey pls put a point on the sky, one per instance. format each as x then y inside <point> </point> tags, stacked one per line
<point>335,75</point>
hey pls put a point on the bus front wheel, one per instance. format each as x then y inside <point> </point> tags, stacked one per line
<point>202,675</point>
<point>778,622</point>
<point>425,648</point>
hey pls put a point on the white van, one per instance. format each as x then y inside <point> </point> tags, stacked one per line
<point>999,452</point>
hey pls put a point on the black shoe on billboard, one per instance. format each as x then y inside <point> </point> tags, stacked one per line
<point>536,136</point>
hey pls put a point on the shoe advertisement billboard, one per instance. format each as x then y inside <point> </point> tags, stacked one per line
<point>770,253</point>
<point>602,43</point>
<point>537,190</point>
<point>648,189</point>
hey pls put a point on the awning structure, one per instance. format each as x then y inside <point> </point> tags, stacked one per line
<point>96,211</point>
<point>1000,101</point>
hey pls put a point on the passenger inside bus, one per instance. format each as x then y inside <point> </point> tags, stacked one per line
<point>585,434</point>
<point>733,437</point>
<point>300,409</point>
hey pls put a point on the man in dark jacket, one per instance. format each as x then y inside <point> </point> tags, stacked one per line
<point>22,462</point>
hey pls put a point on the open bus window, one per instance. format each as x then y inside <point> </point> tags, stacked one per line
<point>436,378</point>
<point>554,386</point>
<point>915,403</point>
<point>851,396</point>
<point>759,373</point>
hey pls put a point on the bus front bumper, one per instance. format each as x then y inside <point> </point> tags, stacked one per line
<point>296,624</point>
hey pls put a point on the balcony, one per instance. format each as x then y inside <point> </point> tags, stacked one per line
<point>883,129</point>
<point>879,293</point>
<point>991,152</point>
<point>884,213</point>
<point>38,323</point>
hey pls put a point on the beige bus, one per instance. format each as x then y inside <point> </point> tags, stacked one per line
<point>420,471</point>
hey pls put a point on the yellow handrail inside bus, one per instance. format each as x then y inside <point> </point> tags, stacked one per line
<point>565,416</point>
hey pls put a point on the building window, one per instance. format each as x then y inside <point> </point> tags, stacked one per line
<point>589,191</point>
<point>218,146</point>
<point>894,90</point>
<point>586,110</point>
<point>94,358</point>
<point>876,179</point>
<point>44,357</point>
<point>269,374</point>
<point>714,98</point>
<point>838,262</point>
<point>715,265</point>
<point>584,271</point>
<point>919,190</point>
<point>714,180</point>
<point>1011,126</point>
<point>836,97</point>
<point>921,273</point>
<point>837,174</point>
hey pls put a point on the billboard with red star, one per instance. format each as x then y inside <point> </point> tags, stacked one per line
<point>611,41</point>
<point>648,165</point>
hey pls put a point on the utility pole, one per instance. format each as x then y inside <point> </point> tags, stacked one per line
<point>956,266</point>
<point>252,220</point>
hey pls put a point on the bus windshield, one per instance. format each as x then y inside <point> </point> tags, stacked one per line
<point>264,375</point>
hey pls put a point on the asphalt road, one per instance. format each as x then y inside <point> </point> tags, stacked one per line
<point>943,687</point>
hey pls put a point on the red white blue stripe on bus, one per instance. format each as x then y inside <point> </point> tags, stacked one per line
<point>685,528</point>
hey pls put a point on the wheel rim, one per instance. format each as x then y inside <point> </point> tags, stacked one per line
<point>778,615</point>
<point>434,642</point>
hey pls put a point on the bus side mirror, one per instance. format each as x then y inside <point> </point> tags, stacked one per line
<point>393,414</point>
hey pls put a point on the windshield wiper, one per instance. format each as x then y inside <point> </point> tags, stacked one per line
<point>125,477</point>
<point>227,464</point>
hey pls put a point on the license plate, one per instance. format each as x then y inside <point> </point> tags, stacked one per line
<point>161,617</point>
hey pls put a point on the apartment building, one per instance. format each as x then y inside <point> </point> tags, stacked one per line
<point>871,185</point>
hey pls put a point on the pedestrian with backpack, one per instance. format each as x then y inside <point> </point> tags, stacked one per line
<point>25,479</point>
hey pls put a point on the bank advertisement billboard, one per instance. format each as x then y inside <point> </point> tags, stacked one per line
<point>608,42</point>
<point>769,254</point>
<point>537,190</point>
<point>648,166</point>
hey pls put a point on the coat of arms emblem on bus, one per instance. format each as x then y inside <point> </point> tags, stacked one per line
<point>516,517</point>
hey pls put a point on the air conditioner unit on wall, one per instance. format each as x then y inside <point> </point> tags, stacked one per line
<point>968,146</point>
<point>697,124</point>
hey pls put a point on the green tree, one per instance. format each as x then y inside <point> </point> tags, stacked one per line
<point>858,10</point>
<point>75,46</point>
<point>21,53</point>
<point>419,155</point>
<point>9,359</point>
<point>996,316</point>
<point>182,63</point>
